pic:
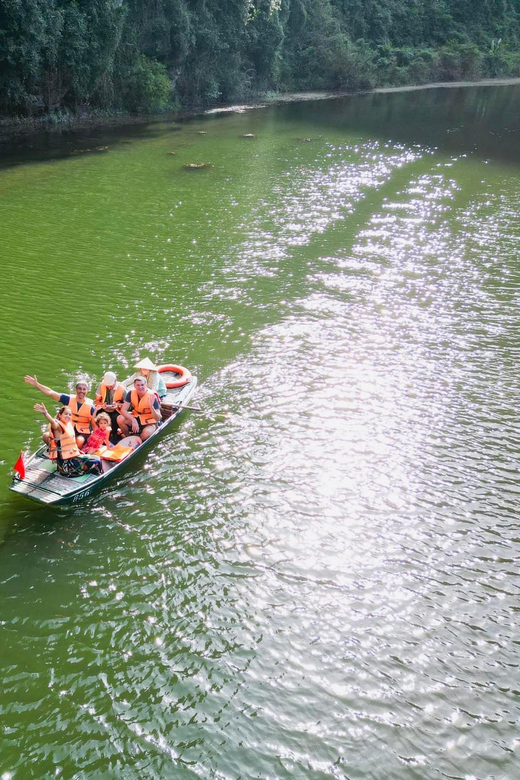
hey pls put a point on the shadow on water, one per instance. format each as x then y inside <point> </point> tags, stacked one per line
<point>475,120</point>
<point>463,119</point>
<point>59,144</point>
<point>68,141</point>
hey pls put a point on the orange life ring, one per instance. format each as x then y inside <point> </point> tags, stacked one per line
<point>184,378</point>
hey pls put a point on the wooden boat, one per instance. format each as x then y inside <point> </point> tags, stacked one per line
<point>43,484</point>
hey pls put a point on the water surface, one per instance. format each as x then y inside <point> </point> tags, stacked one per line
<point>322,581</point>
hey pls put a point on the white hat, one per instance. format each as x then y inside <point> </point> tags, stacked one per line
<point>109,378</point>
<point>146,363</point>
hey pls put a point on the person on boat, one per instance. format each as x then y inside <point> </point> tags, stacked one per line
<point>100,438</point>
<point>82,408</point>
<point>62,445</point>
<point>154,380</point>
<point>110,396</point>
<point>141,412</point>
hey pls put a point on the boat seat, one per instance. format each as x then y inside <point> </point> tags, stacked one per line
<point>166,410</point>
<point>47,465</point>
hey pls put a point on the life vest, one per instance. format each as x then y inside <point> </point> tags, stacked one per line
<point>81,416</point>
<point>67,441</point>
<point>117,453</point>
<point>118,396</point>
<point>142,408</point>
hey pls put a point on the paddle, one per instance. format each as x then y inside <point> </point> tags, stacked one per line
<point>190,408</point>
<point>198,409</point>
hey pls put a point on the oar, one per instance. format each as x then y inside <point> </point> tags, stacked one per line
<point>190,408</point>
<point>198,409</point>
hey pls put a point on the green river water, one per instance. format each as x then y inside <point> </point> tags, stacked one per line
<point>319,578</point>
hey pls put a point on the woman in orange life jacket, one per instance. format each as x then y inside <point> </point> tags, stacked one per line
<point>62,445</point>
<point>141,411</point>
<point>82,408</point>
<point>110,396</point>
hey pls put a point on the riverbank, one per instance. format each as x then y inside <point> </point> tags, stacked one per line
<point>14,130</point>
<point>295,97</point>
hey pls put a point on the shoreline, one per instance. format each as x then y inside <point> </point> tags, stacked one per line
<point>295,97</point>
<point>20,129</point>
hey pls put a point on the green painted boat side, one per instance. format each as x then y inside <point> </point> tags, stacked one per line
<point>69,490</point>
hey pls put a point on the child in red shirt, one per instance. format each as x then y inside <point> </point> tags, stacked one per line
<point>100,438</point>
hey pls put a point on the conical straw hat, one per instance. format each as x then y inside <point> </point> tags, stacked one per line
<point>146,363</point>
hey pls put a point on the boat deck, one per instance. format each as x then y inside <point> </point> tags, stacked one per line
<point>42,482</point>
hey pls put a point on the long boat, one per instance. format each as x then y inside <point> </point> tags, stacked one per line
<point>43,484</point>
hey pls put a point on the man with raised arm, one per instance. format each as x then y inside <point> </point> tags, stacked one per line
<point>82,408</point>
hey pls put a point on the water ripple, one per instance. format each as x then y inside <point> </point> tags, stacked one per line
<point>318,577</point>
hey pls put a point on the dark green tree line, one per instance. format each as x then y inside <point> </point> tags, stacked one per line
<point>148,55</point>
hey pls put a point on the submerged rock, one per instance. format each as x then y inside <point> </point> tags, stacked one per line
<point>196,166</point>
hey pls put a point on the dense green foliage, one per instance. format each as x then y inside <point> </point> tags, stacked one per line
<point>148,55</point>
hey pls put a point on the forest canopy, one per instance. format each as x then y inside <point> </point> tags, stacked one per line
<point>147,56</point>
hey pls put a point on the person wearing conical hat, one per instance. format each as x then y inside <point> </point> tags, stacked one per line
<point>146,364</point>
<point>154,381</point>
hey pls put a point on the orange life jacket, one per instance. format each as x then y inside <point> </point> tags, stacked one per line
<point>68,446</point>
<point>142,408</point>
<point>117,398</point>
<point>117,453</point>
<point>81,415</point>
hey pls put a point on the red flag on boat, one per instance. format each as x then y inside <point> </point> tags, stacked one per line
<point>19,466</point>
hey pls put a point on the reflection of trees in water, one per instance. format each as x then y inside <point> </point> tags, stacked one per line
<point>462,119</point>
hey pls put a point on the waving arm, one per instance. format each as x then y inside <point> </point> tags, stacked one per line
<point>32,380</point>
